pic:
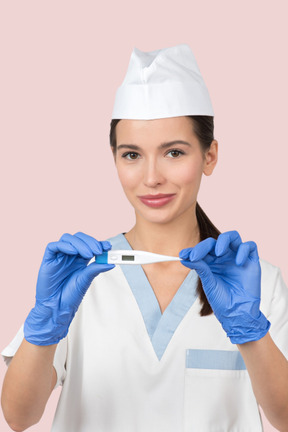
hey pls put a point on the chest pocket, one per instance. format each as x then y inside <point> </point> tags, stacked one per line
<point>218,393</point>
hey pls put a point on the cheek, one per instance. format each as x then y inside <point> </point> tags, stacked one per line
<point>189,174</point>
<point>128,178</point>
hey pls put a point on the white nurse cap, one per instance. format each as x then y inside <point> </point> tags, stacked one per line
<point>162,83</point>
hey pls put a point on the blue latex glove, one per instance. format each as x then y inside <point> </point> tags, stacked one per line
<point>63,280</point>
<point>230,273</point>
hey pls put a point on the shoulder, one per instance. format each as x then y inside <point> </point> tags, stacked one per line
<point>269,276</point>
<point>273,286</point>
<point>269,270</point>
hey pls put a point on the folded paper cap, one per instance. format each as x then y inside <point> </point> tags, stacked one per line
<point>162,83</point>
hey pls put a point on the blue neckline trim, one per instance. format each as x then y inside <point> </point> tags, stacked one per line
<point>160,327</point>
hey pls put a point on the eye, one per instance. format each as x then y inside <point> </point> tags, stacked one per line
<point>130,155</point>
<point>175,153</point>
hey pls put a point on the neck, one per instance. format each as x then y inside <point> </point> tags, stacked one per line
<point>166,239</point>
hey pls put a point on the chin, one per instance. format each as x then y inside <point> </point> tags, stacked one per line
<point>157,218</point>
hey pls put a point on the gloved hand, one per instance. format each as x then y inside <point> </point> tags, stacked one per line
<point>230,273</point>
<point>63,280</point>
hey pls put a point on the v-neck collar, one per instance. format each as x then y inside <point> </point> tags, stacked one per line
<point>160,327</point>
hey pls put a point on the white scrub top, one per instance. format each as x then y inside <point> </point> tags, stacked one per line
<point>125,367</point>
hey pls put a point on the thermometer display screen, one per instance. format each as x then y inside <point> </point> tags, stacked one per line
<point>128,258</point>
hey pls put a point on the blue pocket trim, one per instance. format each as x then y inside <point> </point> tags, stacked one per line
<point>214,359</point>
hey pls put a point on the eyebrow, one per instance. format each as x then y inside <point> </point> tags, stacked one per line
<point>162,146</point>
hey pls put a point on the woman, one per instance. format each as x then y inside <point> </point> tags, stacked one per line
<point>146,348</point>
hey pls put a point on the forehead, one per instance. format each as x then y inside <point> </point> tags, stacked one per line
<point>133,131</point>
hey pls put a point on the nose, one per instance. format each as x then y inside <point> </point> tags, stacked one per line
<point>153,175</point>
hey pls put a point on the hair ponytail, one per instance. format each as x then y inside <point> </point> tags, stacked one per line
<point>206,229</point>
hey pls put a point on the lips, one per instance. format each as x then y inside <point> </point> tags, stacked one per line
<point>158,200</point>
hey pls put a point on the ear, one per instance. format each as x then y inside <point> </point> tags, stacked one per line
<point>211,157</point>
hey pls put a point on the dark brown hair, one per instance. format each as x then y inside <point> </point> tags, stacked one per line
<point>203,127</point>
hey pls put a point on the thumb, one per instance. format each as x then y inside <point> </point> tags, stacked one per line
<point>91,271</point>
<point>205,274</point>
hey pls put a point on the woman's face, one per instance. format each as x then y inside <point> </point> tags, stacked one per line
<point>160,164</point>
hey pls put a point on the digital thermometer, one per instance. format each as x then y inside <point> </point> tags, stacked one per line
<point>132,257</point>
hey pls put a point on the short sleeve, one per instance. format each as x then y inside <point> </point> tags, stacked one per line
<point>59,361</point>
<point>10,350</point>
<point>278,312</point>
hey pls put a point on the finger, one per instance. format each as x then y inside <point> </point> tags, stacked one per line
<point>91,271</point>
<point>199,251</point>
<point>254,255</point>
<point>246,250</point>
<point>95,246</point>
<point>242,254</point>
<point>184,253</point>
<point>227,240</point>
<point>83,249</point>
<point>106,245</point>
<point>60,246</point>
<point>208,259</point>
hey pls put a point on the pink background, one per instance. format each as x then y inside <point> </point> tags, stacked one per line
<point>61,63</point>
